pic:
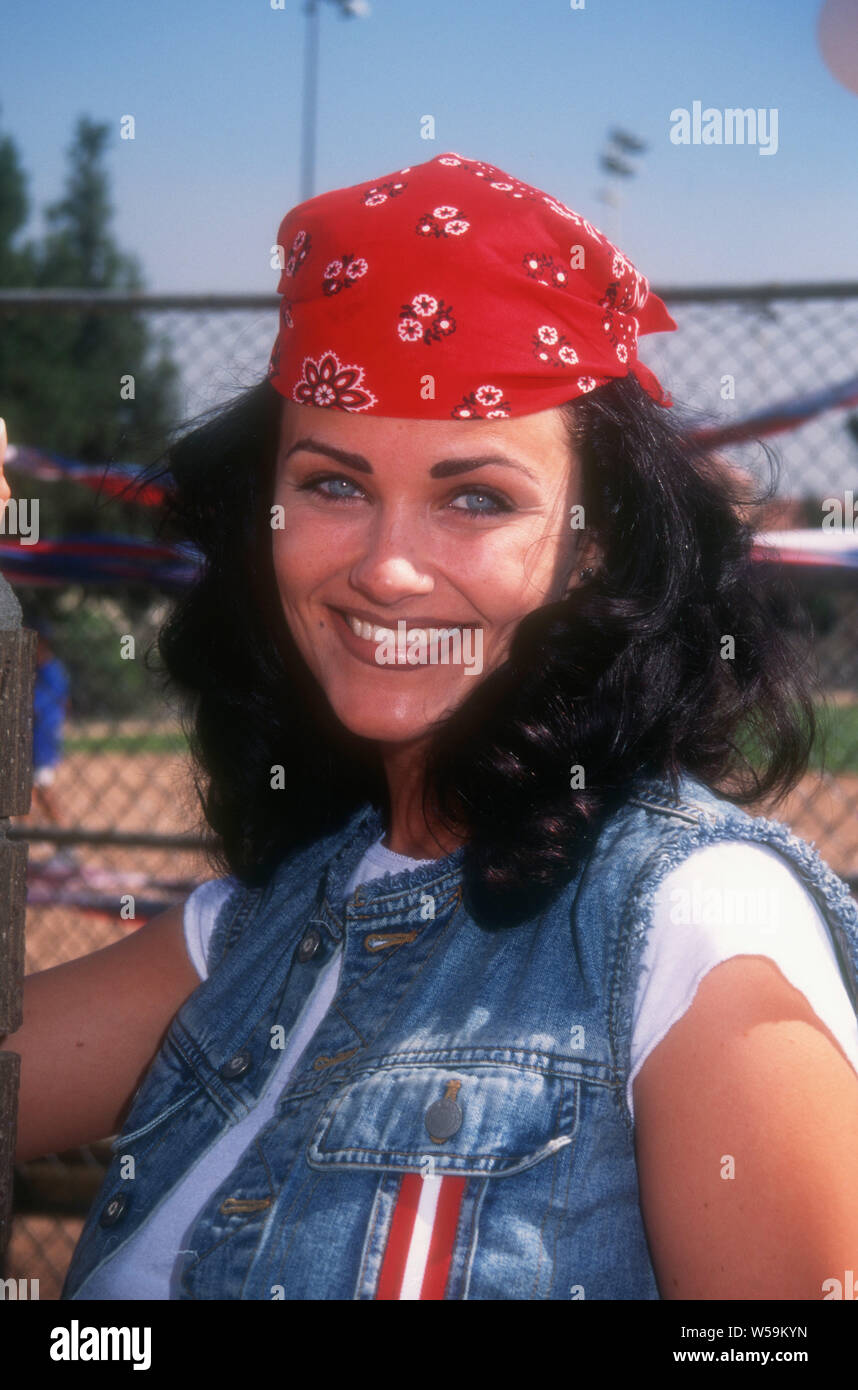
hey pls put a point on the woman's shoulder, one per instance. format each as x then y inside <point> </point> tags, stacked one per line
<point>663,823</point>
<point>683,799</point>
<point>712,873</point>
<point>736,899</point>
<point>734,881</point>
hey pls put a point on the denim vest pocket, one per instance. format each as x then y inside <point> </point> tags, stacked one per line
<point>471,1119</point>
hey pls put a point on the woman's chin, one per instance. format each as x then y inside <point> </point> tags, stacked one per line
<point>397,719</point>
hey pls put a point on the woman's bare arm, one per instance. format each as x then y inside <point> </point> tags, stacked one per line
<point>91,1028</point>
<point>747,1133</point>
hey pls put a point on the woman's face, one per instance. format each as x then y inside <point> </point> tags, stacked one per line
<point>392,530</point>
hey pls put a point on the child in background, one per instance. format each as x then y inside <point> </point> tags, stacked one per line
<point>50,708</point>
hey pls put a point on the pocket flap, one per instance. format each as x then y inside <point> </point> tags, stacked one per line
<point>468,1119</point>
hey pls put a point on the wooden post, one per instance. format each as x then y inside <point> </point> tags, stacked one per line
<point>17,673</point>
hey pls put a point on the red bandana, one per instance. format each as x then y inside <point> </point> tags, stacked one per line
<point>452,289</point>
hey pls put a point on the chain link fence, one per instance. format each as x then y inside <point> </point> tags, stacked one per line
<point>114,827</point>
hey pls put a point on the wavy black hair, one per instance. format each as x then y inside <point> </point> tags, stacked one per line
<point>628,675</point>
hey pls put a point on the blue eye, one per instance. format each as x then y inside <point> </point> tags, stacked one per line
<point>497,503</point>
<point>335,487</point>
<point>487,503</point>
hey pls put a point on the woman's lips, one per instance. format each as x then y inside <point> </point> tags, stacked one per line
<point>365,648</point>
<point>360,647</point>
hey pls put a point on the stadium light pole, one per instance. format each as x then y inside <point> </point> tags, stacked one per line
<point>355,9</point>
<point>615,162</point>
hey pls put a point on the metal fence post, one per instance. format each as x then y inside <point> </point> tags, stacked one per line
<point>17,668</point>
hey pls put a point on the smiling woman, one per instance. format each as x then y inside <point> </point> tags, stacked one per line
<point>449,524</point>
<point>418,541</point>
<point>462,1030</point>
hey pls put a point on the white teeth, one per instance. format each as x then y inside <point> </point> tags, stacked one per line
<point>370,633</point>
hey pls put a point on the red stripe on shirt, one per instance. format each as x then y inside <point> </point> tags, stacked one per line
<point>401,1229</point>
<point>443,1237</point>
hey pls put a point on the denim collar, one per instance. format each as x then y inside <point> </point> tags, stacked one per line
<point>390,892</point>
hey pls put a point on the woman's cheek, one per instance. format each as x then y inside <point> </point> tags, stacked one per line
<point>307,546</point>
<point>493,568</point>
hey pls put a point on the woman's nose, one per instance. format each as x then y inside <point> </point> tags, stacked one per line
<point>390,579</point>
<point>391,570</point>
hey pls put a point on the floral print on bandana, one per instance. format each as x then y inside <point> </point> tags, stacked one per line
<point>621,328</point>
<point>496,178</point>
<point>486,403</point>
<point>382,191</point>
<point>631,293</point>
<point>342,273</point>
<point>426,319</point>
<point>512,190</point>
<point>549,345</point>
<point>298,253</point>
<point>442,221</point>
<point>328,383</point>
<point>579,221</point>
<point>537,265</point>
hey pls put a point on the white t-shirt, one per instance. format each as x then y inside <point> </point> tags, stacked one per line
<point>695,925</point>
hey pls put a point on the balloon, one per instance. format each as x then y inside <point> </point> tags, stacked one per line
<point>837,33</point>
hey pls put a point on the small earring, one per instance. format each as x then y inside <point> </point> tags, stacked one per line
<point>585,573</point>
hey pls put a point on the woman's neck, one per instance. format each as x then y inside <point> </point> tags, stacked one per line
<point>410,832</point>
<point>410,835</point>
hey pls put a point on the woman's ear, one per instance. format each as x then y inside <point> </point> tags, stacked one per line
<point>588,562</point>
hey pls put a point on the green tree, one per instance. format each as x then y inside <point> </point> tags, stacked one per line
<point>60,390</point>
<point>17,265</point>
<point>61,371</point>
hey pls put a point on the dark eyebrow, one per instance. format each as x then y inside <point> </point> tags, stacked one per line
<point>447,468</point>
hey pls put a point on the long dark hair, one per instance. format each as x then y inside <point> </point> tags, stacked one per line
<point>630,674</point>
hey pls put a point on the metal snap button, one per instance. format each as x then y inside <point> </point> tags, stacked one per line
<point>308,946</point>
<point>444,1117</point>
<point>113,1210</point>
<point>235,1067</point>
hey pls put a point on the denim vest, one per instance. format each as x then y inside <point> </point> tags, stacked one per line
<point>531,1022</point>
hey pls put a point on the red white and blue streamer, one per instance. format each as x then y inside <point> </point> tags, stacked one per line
<point>98,559</point>
<point>785,415</point>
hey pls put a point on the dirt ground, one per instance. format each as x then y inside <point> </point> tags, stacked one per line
<point>146,792</point>
<point>150,792</point>
<point>824,811</point>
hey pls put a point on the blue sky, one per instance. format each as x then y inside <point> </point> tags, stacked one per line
<point>215,89</point>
